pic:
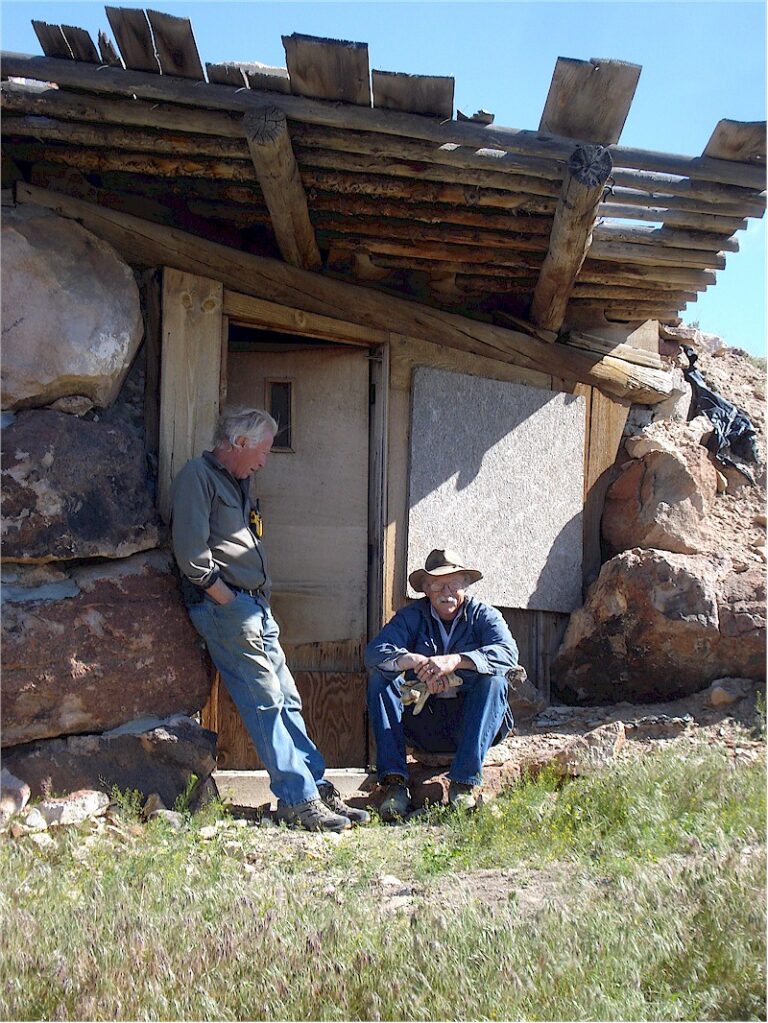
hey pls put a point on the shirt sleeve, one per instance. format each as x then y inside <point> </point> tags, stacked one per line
<point>190,526</point>
<point>395,639</point>
<point>497,651</point>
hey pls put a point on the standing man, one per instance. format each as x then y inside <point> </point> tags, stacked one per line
<point>447,632</point>
<point>216,542</point>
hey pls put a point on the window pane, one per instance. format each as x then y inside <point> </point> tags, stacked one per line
<point>280,410</point>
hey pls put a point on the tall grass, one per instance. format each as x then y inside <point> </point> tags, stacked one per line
<point>660,916</point>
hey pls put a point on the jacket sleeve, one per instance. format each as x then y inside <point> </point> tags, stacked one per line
<point>496,651</point>
<point>397,637</point>
<point>190,526</point>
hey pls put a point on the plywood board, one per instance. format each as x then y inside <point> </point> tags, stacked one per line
<point>589,99</point>
<point>496,473</point>
<point>333,711</point>
<point>332,69</point>
<point>190,370</point>
<point>430,95</point>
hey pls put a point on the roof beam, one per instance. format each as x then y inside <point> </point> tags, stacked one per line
<point>142,241</point>
<point>266,133</point>
<point>571,235</point>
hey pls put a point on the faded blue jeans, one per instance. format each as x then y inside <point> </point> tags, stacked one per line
<point>242,639</point>
<point>466,726</point>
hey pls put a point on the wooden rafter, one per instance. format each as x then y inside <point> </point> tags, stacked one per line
<point>571,235</point>
<point>266,133</point>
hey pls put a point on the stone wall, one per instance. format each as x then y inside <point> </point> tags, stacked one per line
<point>95,634</point>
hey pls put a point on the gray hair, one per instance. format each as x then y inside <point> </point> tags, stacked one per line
<point>240,421</point>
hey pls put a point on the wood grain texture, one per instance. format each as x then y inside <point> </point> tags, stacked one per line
<point>333,711</point>
<point>107,51</point>
<point>52,40</point>
<point>150,284</point>
<point>266,133</point>
<point>589,99</point>
<point>429,95</point>
<point>538,635</point>
<point>190,370</point>
<point>258,312</point>
<point>226,74</point>
<point>743,141</point>
<point>329,69</point>
<point>134,38</point>
<point>175,45</point>
<point>81,44</point>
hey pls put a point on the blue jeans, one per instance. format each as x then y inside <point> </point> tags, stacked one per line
<point>466,726</point>
<point>242,639</point>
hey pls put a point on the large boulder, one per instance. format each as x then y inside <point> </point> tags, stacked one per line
<point>167,757</point>
<point>663,497</point>
<point>73,488</point>
<point>657,626</point>
<point>71,313</point>
<point>88,648</point>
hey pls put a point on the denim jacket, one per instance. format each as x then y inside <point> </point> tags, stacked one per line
<point>481,634</point>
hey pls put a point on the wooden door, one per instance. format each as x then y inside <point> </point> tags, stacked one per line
<point>313,495</point>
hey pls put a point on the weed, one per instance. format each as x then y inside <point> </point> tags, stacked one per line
<point>184,799</point>
<point>127,802</point>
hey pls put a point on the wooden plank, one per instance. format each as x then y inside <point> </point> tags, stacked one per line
<point>267,78</point>
<point>134,37</point>
<point>81,44</point>
<point>296,321</point>
<point>344,655</point>
<point>190,370</point>
<point>332,69</point>
<point>606,423</point>
<point>656,255</point>
<point>333,710</point>
<point>428,95</point>
<point>150,284</point>
<point>266,278</point>
<point>708,222</point>
<point>378,469</point>
<point>589,99</point>
<point>175,46</point>
<point>266,132</point>
<point>226,74</point>
<point>107,51</point>
<point>571,235</point>
<point>742,141</point>
<point>52,40</point>
<point>472,136</point>
<point>538,635</point>
<point>666,237</point>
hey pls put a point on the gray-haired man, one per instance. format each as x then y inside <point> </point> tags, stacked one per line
<point>217,545</point>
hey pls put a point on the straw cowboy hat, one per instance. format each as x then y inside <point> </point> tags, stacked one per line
<point>441,563</point>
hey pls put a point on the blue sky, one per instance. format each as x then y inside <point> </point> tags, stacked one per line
<point>701,62</point>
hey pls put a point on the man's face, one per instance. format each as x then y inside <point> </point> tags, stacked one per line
<point>249,456</point>
<point>446,593</point>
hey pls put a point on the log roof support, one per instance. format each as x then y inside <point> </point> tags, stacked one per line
<point>571,236</point>
<point>269,144</point>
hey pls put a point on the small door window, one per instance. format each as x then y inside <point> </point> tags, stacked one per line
<point>279,402</point>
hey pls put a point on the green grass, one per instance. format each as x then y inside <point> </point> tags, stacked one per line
<point>656,911</point>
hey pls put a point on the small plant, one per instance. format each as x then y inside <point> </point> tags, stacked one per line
<point>127,802</point>
<point>184,799</point>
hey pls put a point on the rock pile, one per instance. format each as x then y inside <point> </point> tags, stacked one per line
<point>680,600</point>
<point>94,630</point>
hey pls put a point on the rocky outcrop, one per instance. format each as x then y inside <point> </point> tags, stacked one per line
<point>89,648</point>
<point>164,757</point>
<point>663,496</point>
<point>70,309</point>
<point>657,626</point>
<point>73,488</point>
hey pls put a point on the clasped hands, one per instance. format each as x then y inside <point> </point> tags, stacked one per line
<point>432,671</point>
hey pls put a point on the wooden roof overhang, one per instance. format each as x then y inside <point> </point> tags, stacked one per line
<point>366,178</point>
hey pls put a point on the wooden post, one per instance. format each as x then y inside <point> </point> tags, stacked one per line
<point>588,170</point>
<point>189,376</point>
<point>266,132</point>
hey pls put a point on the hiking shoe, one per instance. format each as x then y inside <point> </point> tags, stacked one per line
<point>313,815</point>
<point>397,799</point>
<point>332,799</point>
<point>461,797</point>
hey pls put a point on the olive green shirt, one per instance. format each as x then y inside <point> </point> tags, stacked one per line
<point>212,537</point>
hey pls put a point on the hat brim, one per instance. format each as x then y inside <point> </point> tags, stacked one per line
<point>416,579</point>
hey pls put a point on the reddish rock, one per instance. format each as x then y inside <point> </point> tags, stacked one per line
<point>88,649</point>
<point>73,488</point>
<point>658,626</point>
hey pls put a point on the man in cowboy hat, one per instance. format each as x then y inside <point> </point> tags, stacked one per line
<point>445,633</point>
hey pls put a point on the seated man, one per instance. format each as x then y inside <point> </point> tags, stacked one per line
<point>444,633</point>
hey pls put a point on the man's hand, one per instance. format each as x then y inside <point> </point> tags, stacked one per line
<point>220,592</point>
<point>434,671</point>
